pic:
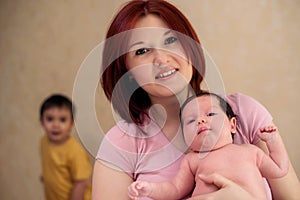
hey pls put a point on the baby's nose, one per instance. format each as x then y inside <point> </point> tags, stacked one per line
<point>202,120</point>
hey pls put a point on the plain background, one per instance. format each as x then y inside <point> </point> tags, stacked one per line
<point>255,45</point>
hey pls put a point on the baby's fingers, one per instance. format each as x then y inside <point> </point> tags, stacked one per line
<point>133,191</point>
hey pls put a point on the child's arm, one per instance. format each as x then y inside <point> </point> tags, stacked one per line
<point>277,164</point>
<point>78,189</point>
<point>179,187</point>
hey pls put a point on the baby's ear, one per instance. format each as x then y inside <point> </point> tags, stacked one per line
<point>233,125</point>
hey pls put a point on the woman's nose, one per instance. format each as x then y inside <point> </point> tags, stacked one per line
<point>160,57</point>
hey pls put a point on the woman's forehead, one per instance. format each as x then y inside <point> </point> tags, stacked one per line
<point>151,20</point>
<point>148,34</point>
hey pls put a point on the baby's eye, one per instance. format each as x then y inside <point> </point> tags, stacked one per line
<point>170,40</point>
<point>211,114</point>
<point>190,121</point>
<point>141,51</point>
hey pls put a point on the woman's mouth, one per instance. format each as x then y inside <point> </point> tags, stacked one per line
<point>166,74</point>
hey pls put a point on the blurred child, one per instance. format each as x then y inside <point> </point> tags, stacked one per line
<point>208,125</point>
<point>65,164</point>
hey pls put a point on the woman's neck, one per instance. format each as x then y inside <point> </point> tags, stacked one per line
<point>165,112</point>
<point>166,109</point>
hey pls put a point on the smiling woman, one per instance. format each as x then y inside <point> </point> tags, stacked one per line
<point>145,47</point>
<point>157,59</point>
<point>43,44</point>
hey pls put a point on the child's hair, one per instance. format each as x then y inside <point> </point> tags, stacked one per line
<point>59,101</point>
<point>223,104</point>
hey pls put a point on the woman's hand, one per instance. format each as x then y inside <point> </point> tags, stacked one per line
<point>228,189</point>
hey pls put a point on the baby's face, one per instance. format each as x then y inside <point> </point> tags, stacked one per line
<point>205,124</point>
<point>57,123</point>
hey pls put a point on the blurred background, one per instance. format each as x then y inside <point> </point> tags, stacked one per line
<point>255,45</point>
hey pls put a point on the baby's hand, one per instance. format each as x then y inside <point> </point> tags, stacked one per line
<point>139,189</point>
<point>267,133</point>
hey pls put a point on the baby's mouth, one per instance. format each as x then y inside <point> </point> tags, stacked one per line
<point>166,73</point>
<point>202,130</point>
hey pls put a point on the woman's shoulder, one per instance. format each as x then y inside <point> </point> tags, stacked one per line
<point>121,130</point>
<point>242,103</point>
<point>251,115</point>
<point>124,128</point>
<point>240,98</point>
<point>127,135</point>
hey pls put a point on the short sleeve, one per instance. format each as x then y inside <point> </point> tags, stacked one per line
<point>117,149</point>
<point>80,166</point>
<point>139,151</point>
<point>251,115</point>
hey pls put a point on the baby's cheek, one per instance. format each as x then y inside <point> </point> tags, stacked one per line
<point>188,139</point>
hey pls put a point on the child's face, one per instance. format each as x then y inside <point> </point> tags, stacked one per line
<point>205,124</point>
<point>57,123</point>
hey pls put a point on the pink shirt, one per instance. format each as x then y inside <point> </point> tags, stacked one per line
<point>145,153</point>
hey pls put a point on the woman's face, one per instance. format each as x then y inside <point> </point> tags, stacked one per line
<point>156,59</point>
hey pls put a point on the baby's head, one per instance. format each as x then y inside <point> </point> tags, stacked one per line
<point>207,121</point>
<point>56,117</point>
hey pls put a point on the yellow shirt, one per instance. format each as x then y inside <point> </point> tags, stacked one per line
<point>62,165</point>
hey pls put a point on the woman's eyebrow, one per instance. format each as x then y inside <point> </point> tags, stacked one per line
<point>134,44</point>
<point>140,42</point>
<point>167,32</point>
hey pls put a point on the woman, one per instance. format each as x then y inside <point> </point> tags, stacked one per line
<point>146,70</point>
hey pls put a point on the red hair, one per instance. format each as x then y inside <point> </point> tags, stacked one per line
<point>131,105</point>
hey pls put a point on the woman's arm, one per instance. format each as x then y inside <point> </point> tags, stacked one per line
<point>109,183</point>
<point>287,187</point>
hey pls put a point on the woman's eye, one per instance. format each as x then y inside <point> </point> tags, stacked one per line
<point>141,51</point>
<point>170,40</point>
<point>211,114</point>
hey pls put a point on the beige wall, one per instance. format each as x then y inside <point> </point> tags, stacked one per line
<point>255,44</point>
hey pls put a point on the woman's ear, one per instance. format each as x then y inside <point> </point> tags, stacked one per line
<point>233,125</point>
